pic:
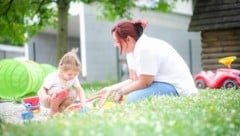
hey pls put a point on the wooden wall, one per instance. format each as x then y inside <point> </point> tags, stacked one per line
<point>218,44</point>
<point>215,15</point>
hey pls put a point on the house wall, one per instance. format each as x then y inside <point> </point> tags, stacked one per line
<point>42,48</point>
<point>101,55</point>
<point>7,51</point>
<point>10,54</point>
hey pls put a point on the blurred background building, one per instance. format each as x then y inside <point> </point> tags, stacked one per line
<point>100,59</point>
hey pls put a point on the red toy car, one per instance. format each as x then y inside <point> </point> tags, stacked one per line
<point>221,78</point>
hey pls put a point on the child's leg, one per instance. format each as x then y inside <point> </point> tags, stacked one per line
<point>56,102</point>
<point>54,106</point>
<point>67,102</point>
<point>45,102</point>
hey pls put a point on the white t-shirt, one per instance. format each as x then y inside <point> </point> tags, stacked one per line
<point>53,83</point>
<point>155,57</point>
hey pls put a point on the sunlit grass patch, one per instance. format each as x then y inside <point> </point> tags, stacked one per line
<point>213,112</point>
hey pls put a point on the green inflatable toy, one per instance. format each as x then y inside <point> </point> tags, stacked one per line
<point>19,77</point>
<point>47,68</point>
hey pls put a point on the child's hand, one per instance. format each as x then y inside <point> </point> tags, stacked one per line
<point>83,110</point>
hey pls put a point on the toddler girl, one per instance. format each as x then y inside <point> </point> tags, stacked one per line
<point>61,88</point>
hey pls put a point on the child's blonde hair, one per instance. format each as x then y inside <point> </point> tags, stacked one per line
<point>70,61</point>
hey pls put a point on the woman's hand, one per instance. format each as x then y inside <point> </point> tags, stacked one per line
<point>117,98</point>
<point>103,94</point>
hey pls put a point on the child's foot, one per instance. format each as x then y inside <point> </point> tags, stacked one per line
<point>66,103</point>
<point>53,114</point>
<point>73,107</point>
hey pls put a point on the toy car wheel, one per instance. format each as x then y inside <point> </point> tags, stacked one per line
<point>200,84</point>
<point>230,84</point>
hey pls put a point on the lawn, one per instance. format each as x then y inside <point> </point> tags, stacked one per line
<point>212,113</point>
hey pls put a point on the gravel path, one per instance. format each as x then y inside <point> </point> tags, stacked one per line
<point>11,112</point>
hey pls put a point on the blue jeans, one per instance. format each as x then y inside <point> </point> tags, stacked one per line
<point>156,88</point>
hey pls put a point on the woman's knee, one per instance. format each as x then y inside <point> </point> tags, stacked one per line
<point>133,97</point>
<point>157,88</point>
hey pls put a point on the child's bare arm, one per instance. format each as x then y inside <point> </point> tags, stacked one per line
<point>42,92</point>
<point>44,97</point>
<point>81,95</point>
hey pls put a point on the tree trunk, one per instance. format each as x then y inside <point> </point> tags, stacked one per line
<point>62,30</point>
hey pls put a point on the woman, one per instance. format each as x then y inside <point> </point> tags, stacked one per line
<point>155,68</point>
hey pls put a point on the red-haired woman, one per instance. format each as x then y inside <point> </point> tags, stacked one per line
<point>155,67</point>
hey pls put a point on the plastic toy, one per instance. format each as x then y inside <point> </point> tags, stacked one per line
<point>31,103</point>
<point>27,115</point>
<point>108,105</point>
<point>221,78</point>
<point>32,106</point>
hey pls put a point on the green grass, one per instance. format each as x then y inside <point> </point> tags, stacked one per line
<point>212,113</point>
